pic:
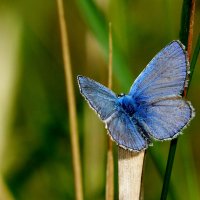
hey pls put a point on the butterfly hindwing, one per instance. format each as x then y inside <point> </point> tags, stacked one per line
<point>99,97</point>
<point>166,118</point>
<point>126,132</point>
<point>164,76</point>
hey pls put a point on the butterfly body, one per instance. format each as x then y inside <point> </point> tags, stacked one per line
<point>153,108</point>
<point>128,104</point>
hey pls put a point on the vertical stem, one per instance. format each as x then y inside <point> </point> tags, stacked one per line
<point>71,102</point>
<point>110,160</point>
<point>168,170</point>
<point>186,33</point>
<point>130,165</point>
<point>190,35</point>
<point>110,58</point>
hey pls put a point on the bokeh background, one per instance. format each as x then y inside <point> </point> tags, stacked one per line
<point>35,149</point>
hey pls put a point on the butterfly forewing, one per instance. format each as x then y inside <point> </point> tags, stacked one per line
<point>99,97</point>
<point>164,76</point>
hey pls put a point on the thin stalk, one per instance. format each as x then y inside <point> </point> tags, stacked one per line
<point>110,58</point>
<point>110,160</point>
<point>186,33</point>
<point>190,35</point>
<point>168,171</point>
<point>158,162</point>
<point>71,102</point>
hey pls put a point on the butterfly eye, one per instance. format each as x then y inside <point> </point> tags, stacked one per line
<point>120,95</point>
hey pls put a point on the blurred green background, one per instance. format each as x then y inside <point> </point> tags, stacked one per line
<point>35,149</point>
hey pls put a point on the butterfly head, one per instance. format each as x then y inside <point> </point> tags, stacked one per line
<point>120,95</point>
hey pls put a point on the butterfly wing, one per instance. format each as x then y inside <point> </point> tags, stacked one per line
<point>162,112</point>
<point>164,76</point>
<point>165,119</point>
<point>123,131</point>
<point>99,97</point>
<point>126,132</point>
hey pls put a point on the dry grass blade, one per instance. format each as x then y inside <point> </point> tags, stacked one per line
<point>190,35</point>
<point>110,160</point>
<point>71,102</point>
<point>110,58</point>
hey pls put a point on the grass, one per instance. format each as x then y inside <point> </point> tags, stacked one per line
<point>71,103</point>
<point>110,159</point>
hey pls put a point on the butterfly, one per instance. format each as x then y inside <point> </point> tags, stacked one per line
<point>153,108</point>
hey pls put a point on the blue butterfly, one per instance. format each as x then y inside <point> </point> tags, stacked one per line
<point>153,108</point>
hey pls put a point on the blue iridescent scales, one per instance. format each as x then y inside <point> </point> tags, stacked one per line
<point>153,108</point>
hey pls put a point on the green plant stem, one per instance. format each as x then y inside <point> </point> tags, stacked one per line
<point>186,32</point>
<point>168,171</point>
<point>159,165</point>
